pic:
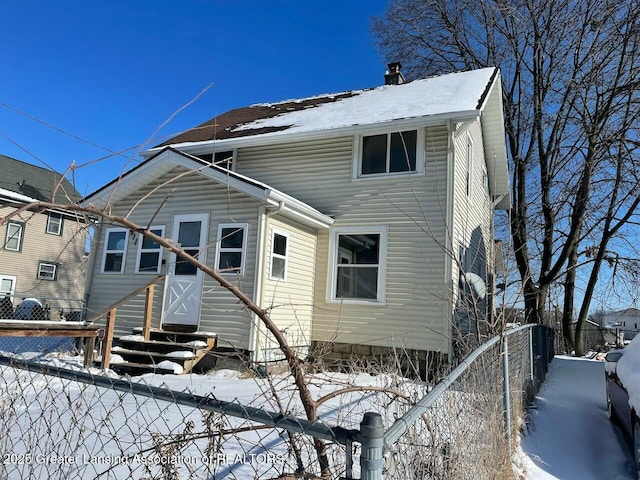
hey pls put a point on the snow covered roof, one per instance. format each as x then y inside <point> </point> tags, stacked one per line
<point>455,94</point>
<point>15,196</point>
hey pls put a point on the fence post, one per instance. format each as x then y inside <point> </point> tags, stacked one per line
<point>505,389</point>
<point>371,440</point>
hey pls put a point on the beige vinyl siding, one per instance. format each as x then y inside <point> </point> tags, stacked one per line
<point>193,193</point>
<point>290,301</point>
<point>65,250</point>
<point>473,215</point>
<point>416,312</point>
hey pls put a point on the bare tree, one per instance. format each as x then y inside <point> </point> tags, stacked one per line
<point>570,86</point>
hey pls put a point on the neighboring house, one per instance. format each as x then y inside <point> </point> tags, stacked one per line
<point>41,253</point>
<point>626,321</point>
<point>352,217</point>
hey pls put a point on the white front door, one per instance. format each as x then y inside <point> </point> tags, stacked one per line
<point>183,286</point>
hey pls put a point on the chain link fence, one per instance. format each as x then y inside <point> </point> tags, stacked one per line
<point>61,421</point>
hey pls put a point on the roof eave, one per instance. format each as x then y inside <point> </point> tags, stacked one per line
<point>284,136</point>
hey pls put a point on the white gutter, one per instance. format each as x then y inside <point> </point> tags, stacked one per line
<point>449,247</point>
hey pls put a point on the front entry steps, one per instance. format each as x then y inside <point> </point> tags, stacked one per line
<point>166,352</point>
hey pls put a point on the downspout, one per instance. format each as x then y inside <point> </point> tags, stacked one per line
<point>93,253</point>
<point>264,214</point>
<point>449,258</point>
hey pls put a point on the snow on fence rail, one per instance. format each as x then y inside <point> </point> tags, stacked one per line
<point>63,422</point>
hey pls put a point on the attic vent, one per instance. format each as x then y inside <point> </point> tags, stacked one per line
<point>393,75</point>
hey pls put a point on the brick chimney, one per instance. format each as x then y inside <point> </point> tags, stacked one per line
<point>393,75</point>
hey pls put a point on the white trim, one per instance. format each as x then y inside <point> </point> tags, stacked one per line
<point>13,236</point>
<point>276,231</point>
<point>160,251</point>
<point>356,161</point>
<point>382,264</point>
<point>166,160</point>
<point>106,252</point>
<point>242,250</point>
<point>54,277</point>
<point>470,153</point>
<point>13,280</point>
<point>49,217</point>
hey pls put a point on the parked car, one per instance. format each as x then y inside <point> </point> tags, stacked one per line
<point>622,374</point>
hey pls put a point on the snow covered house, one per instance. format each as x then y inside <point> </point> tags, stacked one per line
<point>351,216</point>
<point>42,252</point>
<point>626,321</point>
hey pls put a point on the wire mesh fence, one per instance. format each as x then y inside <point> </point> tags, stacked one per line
<point>59,420</point>
<point>463,427</point>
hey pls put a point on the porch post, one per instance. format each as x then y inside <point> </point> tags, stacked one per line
<point>108,339</point>
<point>148,308</point>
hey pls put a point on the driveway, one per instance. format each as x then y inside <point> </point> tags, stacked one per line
<point>569,435</point>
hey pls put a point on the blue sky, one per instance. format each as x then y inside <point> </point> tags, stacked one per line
<point>112,72</point>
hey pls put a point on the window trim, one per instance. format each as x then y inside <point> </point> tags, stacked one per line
<point>49,217</point>
<point>14,280</point>
<point>220,249</point>
<point>381,230</point>
<point>356,169</point>
<point>469,170</point>
<point>285,257</point>
<point>140,251</point>
<point>22,227</point>
<point>42,263</point>
<point>105,252</point>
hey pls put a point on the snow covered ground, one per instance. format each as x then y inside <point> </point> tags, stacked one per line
<point>569,433</point>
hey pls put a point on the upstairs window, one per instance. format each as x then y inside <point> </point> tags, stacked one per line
<point>15,234</point>
<point>394,152</point>
<point>232,245</point>
<point>149,259</point>
<point>54,224</point>
<point>115,247</point>
<point>279,257</point>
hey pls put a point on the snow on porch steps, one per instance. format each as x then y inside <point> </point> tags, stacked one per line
<point>166,352</point>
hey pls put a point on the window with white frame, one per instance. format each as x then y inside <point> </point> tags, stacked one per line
<point>7,285</point>
<point>391,152</point>
<point>54,224</point>
<point>47,271</point>
<point>14,237</point>
<point>149,257</point>
<point>115,248</point>
<point>279,255</point>
<point>358,264</point>
<point>231,248</point>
